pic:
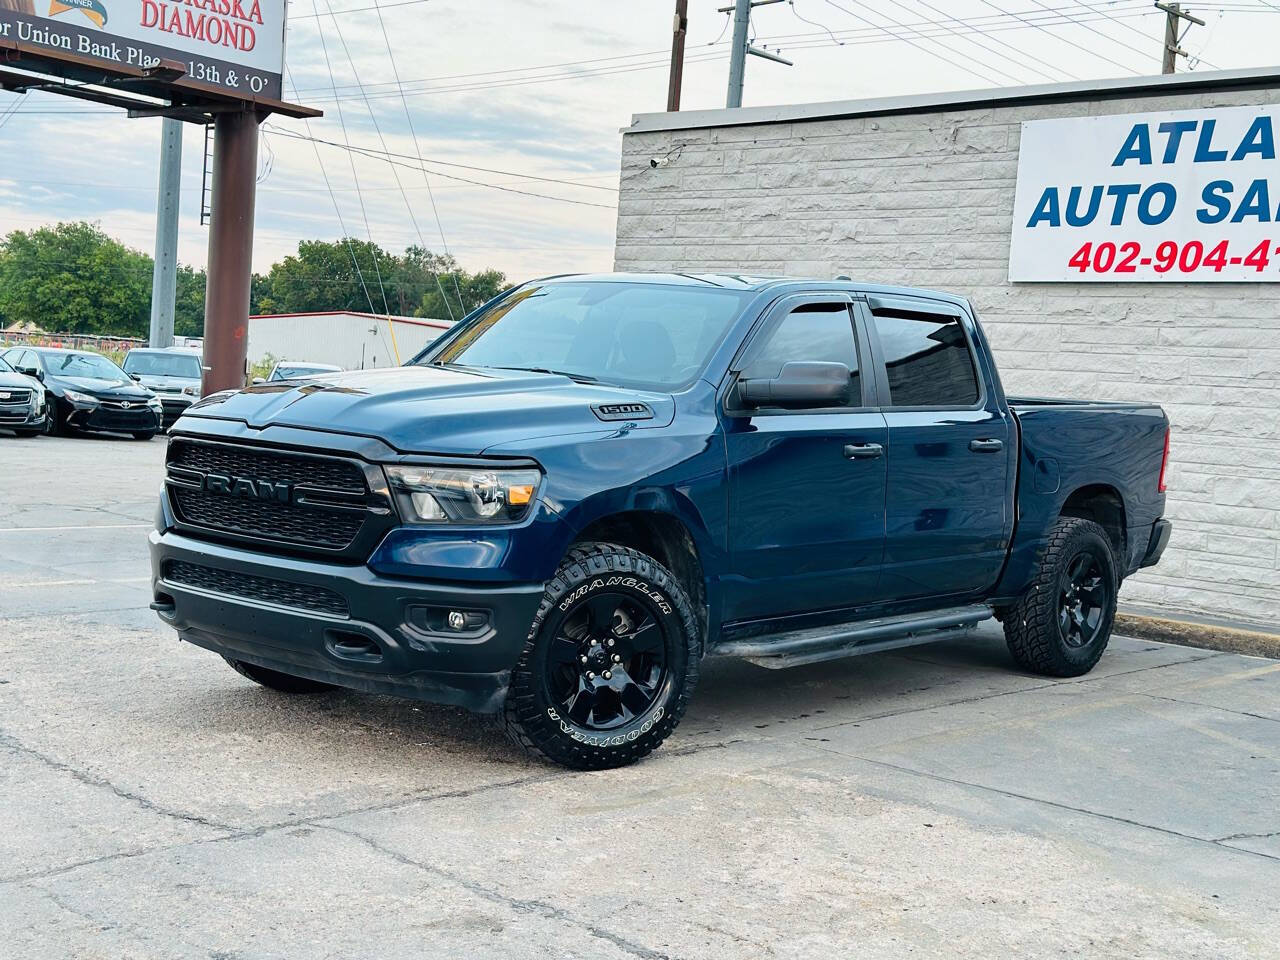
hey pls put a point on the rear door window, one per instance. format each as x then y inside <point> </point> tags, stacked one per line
<point>927,358</point>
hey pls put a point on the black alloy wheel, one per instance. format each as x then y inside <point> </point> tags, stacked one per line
<point>1082,600</point>
<point>1061,624</point>
<point>607,662</point>
<point>610,662</point>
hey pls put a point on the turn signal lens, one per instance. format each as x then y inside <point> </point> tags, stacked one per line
<point>518,496</point>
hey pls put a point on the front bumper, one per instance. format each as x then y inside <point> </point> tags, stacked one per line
<point>174,406</point>
<point>21,418</point>
<point>343,624</point>
<point>136,420</point>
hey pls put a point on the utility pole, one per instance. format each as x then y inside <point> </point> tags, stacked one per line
<point>679,28</point>
<point>226,301</point>
<point>1173,42</point>
<point>164,279</point>
<point>741,11</point>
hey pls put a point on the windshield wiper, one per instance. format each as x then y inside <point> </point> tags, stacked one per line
<point>578,377</point>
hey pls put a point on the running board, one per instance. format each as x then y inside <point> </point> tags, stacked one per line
<point>795,648</point>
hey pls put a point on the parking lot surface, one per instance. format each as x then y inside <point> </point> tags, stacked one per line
<point>932,802</point>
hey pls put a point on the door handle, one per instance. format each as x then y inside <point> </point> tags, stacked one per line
<point>986,446</point>
<point>862,451</point>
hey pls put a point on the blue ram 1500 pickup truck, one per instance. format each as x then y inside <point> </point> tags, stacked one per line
<point>593,482</point>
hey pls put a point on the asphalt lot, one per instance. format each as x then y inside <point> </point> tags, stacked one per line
<point>932,802</point>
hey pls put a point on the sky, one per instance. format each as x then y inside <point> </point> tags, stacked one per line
<point>529,89</point>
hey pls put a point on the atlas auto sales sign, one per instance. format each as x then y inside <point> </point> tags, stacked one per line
<point>1181,196</point>
<point>237,45</point>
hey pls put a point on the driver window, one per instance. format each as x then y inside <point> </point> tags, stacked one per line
<point>810,332</point>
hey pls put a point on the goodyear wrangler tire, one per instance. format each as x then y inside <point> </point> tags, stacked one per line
<point>610,662</point>
<point>1062,623</point>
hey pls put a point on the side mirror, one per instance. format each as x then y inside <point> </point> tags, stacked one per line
<point>136,377</point>
<point>800,384</point>
<point>258,380</point>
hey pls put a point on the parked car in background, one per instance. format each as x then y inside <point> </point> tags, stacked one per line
<point>292,369</point>
<point>86,391</point>
<point>172,373</point>
<point>555,512</point>
<point>21,402</point>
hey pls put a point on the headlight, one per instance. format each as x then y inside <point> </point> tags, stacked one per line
<point>191,391</point>
<point>430,494</point>
<point>75,397</point>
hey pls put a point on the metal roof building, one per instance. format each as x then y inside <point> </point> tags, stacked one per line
<point>351,340</point>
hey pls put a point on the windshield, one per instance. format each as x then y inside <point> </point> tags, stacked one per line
<point>4,366</point>
<point>89,365</point>
<point>163,365</point>
<point>287,372</point>
<point>641,335</point>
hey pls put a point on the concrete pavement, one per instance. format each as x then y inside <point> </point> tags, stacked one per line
<point>932,801</point>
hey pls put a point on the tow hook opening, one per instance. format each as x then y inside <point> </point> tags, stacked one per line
<point>351,646</point>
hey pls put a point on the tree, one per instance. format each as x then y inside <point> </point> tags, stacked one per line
<point>188,313</point>
<point>73,278</point>
<point>343,275</point>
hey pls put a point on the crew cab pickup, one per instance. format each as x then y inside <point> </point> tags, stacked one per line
<point>591,483</point>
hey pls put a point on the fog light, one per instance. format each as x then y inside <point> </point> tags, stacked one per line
<point>456,620</point>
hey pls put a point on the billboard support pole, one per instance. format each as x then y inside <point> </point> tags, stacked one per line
<point>164,280</point>
<point>226,323</point>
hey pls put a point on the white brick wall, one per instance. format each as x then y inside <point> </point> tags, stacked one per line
<point>927,200</point>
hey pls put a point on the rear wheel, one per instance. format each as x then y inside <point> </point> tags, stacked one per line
<point>1062,623</point>
<point>275,680</point>
<point>610,662</point>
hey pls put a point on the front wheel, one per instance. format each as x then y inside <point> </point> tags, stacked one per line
<point>144,435</point>
<point>610,662</point>
<point>1062,623</point>
<point>53,427</point>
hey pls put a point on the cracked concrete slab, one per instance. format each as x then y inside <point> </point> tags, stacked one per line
<point>933,801</point>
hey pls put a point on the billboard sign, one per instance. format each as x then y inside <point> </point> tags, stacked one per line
<point>1176,196</point>
<point>237,45</point>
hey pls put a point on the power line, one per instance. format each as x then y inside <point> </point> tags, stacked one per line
<point>918,46</point>
<point>1005,43</point>
<point>383,154</point>
<point>1106,36</point>
<point>1064,39</point>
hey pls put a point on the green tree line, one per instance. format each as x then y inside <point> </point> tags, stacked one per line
<point>74,278</point>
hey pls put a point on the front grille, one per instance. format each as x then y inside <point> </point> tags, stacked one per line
<point>15,397</point>
<point>235,461</point>
<point>327,508</point>
<point>264,589</point>
<point>123,404</point>
<point>269,519</point>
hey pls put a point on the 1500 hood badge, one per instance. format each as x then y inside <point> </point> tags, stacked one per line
<point>250,488</point>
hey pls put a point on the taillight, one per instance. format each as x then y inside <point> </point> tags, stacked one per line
<point>1164,463</point>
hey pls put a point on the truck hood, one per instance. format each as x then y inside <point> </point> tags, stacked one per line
<point>422,409</point>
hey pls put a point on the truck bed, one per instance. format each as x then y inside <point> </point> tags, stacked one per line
<point>1068,446</point>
